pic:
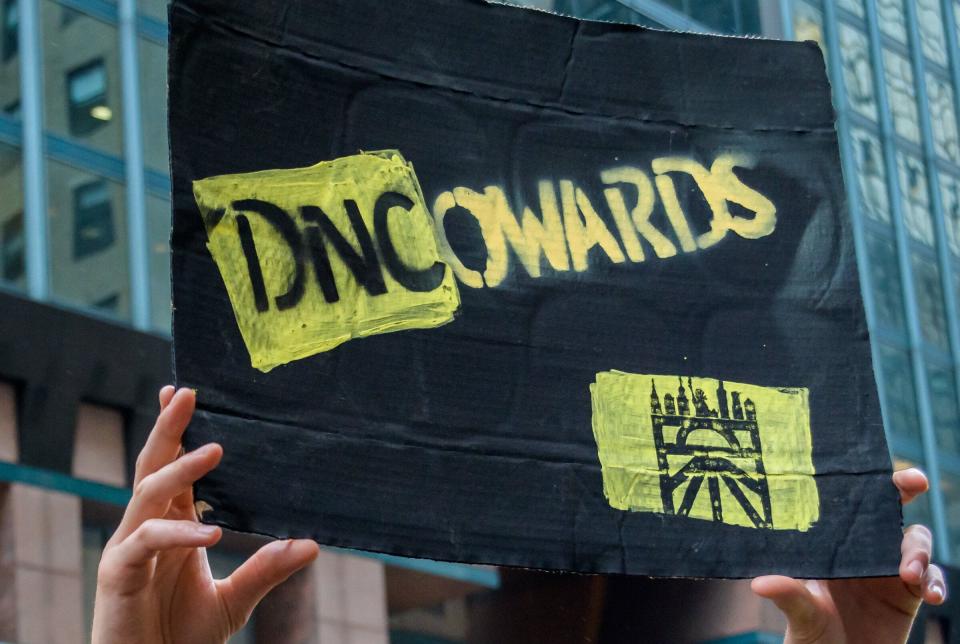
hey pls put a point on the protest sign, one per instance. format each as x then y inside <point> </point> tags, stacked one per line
<point>477,283</point>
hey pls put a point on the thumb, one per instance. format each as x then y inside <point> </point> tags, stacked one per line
<point>270,566</point>
<point>806,618</point>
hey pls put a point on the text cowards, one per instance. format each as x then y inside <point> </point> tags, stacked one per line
<point>313,257</point>
<point>568,229</point>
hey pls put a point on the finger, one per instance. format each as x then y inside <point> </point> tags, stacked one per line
<point>804,615</point>
<point>911,482</point>
<point>152,495</point>
<point>163,443</point>
<point>915,549</point>
<point>166,395</point>
<point>258,575</point>
<point>156,535</point>
<point>934,586</point>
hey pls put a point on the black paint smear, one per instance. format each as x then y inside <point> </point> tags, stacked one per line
<point>284,224</point>
<point>253,264</point>
<point>365,265</point>
<point>418,281</point>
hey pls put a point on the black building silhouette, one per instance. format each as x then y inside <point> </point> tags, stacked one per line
<point>740,438</point>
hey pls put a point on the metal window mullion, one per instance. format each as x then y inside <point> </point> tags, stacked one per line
<point>849,165</point>
<point>737,16</point>
<point>666,16</point>
<point>953,55</point>
<point>848,161</point>
<point>786,20</point>
<point>34,169</point>
<point>914,330</point>
<point>137,235</point>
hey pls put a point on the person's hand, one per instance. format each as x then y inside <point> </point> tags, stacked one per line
<point>877,610</point>
<point>154,582</point>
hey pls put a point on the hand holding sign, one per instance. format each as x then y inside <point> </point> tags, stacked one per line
<point>154,583</point>
<point>468,353</point>
<point>871,610</point>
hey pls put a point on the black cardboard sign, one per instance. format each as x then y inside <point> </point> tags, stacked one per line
<point>476,283</point>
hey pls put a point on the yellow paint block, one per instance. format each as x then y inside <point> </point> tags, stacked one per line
<point>706,449</point>
<point>313,257</point>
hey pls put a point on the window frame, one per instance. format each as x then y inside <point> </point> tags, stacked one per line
<point>81,122</point>
<point>18,254</point>
<point>84,216</point>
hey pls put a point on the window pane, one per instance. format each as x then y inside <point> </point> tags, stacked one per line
<point>933,321</point>
<point>871,175</point>
<point>946,414</point>
<point>956,284</point>
<point>950,195</point>
<point>93,219</point>
<point>857,74</point>
<point>222,564</point>
<point>93,541</point>
<point>950,486</point>
<point>808,24</point>
<point>932,38</point>
<point>915,199</point>
<point>82,87</point>
<point>154,8</point>
<point>943,118</point>
<point>885,280</point>
<point>902,95</point>
<point>900,402</point>
<point>12,241</point>
<point>853,6</point>
<point>87,98</point>
<point>893,21</point>
<point>918,512</point>
<point>11,23</point>
<point>88,232</point>
<point>158,227</point>
<point>153,93</point>
<point>718,15</point>
<point>593,10</point>
<point>10,60</point>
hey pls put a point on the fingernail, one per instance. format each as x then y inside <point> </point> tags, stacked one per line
<point>916,568</point>
<point>207,530</point>
<point>205,450</point>
<point>276,546</point>
<point>937,590</point>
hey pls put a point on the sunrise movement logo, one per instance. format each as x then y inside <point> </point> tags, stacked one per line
<point>740,454</point>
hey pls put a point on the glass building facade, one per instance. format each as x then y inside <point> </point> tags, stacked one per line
<point>84,216</point>
<point>895,68</point>
<point>84,181</point>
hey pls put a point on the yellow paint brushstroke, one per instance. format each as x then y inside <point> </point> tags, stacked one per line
<point>532,237</point>
<point>585,229</point>
<point>624,432</point>
<point>313,325</point>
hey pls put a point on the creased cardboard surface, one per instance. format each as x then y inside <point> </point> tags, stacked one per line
<point>604,199</point>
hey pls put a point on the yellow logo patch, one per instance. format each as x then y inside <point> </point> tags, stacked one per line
<point>706,449</point>
<point>312,257</point>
